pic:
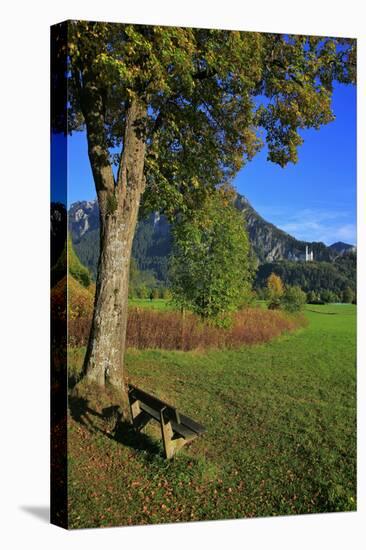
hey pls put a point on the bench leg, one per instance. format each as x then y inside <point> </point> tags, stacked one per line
<point>171,444</point>
<point>139,418</point>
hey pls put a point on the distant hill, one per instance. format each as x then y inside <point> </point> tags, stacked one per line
<point>334,276</point>
<point>341,248</point>
<point>151,246</point>
<point>83,218</point>
<point>271,244</point>
<point>152,243</point>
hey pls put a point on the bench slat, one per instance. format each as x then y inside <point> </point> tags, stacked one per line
<point>155,403</point>
<point>181,424</point>
<point>181,429</point>
<point>192,424</point>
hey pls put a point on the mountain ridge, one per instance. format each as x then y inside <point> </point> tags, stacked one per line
<point>152,242</point>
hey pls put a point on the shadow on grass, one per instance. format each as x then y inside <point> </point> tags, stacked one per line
<point>109,422</point>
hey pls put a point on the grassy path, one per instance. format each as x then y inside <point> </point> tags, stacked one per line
<point>280,438</point>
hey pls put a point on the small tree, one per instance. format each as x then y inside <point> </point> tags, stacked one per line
<point>293,299</point>
<point>142,292</point>
<point>155,294</point>
<point>312,297</point>
<point>165,293</point>
<point>327,296</point>
<point>348,295</point>
<point>210,268</point>
<point>275,290</point>
<point>261,293</point>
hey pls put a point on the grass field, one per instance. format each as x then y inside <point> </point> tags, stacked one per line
<point>157,303</point>
<point>281,433</point>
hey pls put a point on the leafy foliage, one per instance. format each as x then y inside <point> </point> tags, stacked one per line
<point>76,268</point>
<point>79,302</point>
<point>69,261</point>
<point>313,276</point>
<point>207,93</point>
<point>141,282</point>
<point>211,269</point>
<point>275,290</point>
<point>87,249</point>
<point>293,299</point>
<point>327,297</point>
<point>348,295</point>
<point>312,297</point>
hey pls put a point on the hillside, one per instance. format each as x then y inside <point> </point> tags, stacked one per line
<point>342,248</point>
<point>272,244</point>
<point>152,243</point>
<point>76,269</point>
<point>334,276</point>
<point>151,246</point>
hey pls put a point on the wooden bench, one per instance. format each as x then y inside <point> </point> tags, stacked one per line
<point>176,428</point>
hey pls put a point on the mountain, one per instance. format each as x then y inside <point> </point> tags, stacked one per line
<point>152,242</point>
<point>341,248</point>
<point>272,244</point>
<point>83,218</point>
<point>151,245</point>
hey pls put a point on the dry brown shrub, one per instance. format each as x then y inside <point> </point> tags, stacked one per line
<point>78,331</point>
<point>149,329</point>
<point>167,330</point>
<point>69,291</point>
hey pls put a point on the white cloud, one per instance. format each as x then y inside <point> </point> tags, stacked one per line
<point>309,224</point>
<point>347,232</point>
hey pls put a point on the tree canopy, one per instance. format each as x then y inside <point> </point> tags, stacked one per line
<point>211,267</point>
<point>293,299</point>
<point>212,98</point>
<point>275,290</point>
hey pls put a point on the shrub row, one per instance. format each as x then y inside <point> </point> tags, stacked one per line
<point>148,329</point>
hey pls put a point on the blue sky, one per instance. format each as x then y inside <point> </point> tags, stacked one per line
<point>314,200</point>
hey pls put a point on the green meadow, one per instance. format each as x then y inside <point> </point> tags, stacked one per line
<point>281,432</point>
<point>157,303</point>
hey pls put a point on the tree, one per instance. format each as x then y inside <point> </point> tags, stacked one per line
<point>138,280</point>
<point>311,276</point>
<point>155,294</point>
<point>275,290</point>
<point>293,299</point>
<point>348,295</point>
<point>210,266</point>
<point>142,292</point>
<point>184,106</point>
<point>312,297</point>
<point>327,296</point>
<point>165,293</point>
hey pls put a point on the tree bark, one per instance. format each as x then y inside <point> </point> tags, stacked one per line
<point>118,206</point>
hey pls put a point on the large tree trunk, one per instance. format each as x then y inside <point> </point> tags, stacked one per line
<point>118,207</point>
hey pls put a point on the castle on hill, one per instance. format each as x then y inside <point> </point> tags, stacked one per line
<point>307,256</point>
